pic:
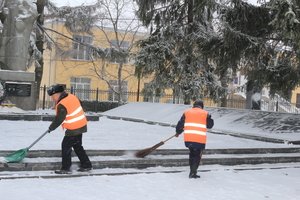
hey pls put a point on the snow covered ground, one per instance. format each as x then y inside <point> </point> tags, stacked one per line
<point>215,185</point>
<point>111,134</point>
<point>274,182</point>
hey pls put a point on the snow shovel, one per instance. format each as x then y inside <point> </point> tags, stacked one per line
<point>21,154</point>
<point>147,151</point>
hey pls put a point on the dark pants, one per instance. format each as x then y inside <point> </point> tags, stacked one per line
<point>194,159</point>
<point>74,142</point>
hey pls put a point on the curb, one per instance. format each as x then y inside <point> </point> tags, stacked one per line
<point>221,132</point>
<point>162,158</point>
<point>146,163</point>
<point>37,117</point>
<point>108,152</point>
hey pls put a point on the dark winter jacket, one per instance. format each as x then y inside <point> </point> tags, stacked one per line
<point>61,116</point>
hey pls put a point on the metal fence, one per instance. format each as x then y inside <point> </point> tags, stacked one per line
<point>97,96</point>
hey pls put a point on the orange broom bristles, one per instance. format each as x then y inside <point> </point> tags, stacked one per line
<point>147,151</point>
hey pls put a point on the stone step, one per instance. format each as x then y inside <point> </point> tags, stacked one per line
<point>57,153</point>
<point>153,161</point>
<point>36,117</point>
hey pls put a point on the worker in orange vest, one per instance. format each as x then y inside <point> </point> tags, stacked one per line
<point>70,115</point>
<point>194,124</point>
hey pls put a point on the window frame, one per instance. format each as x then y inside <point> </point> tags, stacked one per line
<point>81,52</point>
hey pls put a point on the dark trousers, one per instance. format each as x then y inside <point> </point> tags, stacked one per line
<point>194,159</point>
<point>74,142</point>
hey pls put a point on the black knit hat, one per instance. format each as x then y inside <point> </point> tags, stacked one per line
<point>198,103</point>
<point>55,89</point>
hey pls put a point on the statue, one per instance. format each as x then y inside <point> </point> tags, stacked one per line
<point>18,17</point>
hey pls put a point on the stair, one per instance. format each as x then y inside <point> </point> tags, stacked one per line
<point>42,160</point>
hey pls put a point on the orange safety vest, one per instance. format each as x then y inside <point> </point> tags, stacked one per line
<point>75,115</point>
<point>195,125</point>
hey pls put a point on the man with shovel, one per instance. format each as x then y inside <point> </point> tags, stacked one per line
<point>194,124</point>
<point>70,115</point>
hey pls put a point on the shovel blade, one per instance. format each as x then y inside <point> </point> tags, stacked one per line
<point>16,156</point>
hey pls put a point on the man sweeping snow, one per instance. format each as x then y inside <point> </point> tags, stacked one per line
<point>70,114</point>
<point>194,124</point>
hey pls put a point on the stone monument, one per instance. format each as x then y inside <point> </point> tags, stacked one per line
<point>17,17</point>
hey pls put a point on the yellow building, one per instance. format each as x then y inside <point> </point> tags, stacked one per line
<point>71,63</point>
<point>295,99</point>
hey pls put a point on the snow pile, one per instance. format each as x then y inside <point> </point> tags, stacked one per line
<point>9,109</point>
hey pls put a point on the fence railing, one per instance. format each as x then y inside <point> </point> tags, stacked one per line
<point>97,95</point>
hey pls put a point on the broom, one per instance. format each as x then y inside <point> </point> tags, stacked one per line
<point>147,151</point>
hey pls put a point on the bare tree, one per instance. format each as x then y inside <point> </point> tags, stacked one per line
<point>120,28</point>
<point>116,22</point>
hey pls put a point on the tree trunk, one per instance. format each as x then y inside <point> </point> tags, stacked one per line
<point>224,83</point>
<point>40,45</point>
<point>138,87</point>
<point>120,89</point>
<point>187,93</point>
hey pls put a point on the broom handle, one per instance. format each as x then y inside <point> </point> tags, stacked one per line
<point>168,139</point>
<point>37,140</point>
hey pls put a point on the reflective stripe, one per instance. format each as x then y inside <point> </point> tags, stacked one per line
<point>75,112</point>
<point>194,132</point>
<point>195,125</point>
<point>195,138</point>
<point>74,119</point>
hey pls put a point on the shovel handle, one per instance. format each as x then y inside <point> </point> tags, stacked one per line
<point>37,140</point>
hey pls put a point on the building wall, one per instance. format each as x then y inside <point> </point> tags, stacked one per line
<point>294,97</point>
<point>59,66</point>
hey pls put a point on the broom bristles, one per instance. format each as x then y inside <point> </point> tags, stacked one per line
<point>147,151</point>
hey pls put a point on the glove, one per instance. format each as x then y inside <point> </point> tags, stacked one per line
<point>177,134</point>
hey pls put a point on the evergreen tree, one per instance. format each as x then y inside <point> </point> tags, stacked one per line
<point>171,53</point>
<point>272,34</point>
<point>242,33</point>
<point>262,41</point>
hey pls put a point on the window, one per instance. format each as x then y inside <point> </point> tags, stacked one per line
<point>123,45</point>
<point>81,87</point>
<point>113,96</point>
<point>119,58</point>
<point>81,52</point>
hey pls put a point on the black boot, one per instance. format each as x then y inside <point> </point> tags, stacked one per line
<point>63,171</point>
<point>193,172</point>
<point>193,175</point>
<point>84,169</point>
